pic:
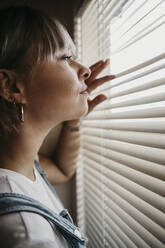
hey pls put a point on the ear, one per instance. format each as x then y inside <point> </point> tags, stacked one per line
<point>10,87</point>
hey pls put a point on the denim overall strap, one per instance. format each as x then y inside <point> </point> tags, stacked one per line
<point>13,202</point>
<point>64,212</point>
<point>44,176</point>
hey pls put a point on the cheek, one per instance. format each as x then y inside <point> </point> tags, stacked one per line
<point>56,91</point>
<point>68,86</point>
<point>66,97</point>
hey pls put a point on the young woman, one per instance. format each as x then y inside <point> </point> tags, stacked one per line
<point>41,86</point>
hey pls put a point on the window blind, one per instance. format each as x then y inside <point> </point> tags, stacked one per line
<point>121,167</point>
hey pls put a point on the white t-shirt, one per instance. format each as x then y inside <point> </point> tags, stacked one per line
<point>24,229</point>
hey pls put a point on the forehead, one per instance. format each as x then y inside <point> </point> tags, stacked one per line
<point>53,40</point>
<point>64,40</point>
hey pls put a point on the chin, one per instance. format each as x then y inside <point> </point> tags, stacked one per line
<point>80,111</point>
<point>84,112</point>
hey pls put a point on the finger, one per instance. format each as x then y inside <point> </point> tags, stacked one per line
<point>99,81</point>
<point>97,100</point>
<point>92,67</point>
<point>98,70</point>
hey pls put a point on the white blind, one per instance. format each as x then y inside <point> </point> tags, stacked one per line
<point>121,168</point>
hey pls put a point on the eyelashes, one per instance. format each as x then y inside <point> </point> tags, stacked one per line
<point>69,58</point>
<point>66,57</point>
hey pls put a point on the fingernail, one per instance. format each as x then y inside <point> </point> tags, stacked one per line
<point>112,76</point>
<point>107,61</point>
<point>102,98</point>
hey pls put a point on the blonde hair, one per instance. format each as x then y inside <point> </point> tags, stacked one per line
<point>28,37</point>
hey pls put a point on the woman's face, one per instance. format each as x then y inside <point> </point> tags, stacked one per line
<point>53,95</point>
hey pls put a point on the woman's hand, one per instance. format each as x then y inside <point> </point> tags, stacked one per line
<point>92,83</point>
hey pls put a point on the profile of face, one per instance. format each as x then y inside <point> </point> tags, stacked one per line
<point>54,93</point>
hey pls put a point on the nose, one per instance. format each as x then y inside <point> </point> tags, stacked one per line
<point>84,72</point>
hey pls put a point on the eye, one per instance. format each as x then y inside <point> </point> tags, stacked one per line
<point>66,57</point>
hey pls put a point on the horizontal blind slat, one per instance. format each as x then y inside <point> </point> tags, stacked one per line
<point>153,231</point>
<point>133,236</point>
<point>148,153</point>
<point>126,15</point>
<point>145,21</point>
<point>125,239</point>
<point>139,84</point>
<point>120,111</point>
<point>117,174</point>
<point>146,167</point>
<point>136,199</point>
<point>112,241</point>
<point>94,232</point>
<point>92,236</point>
<point>155,94</point>
<point>92,199</point>
<point>140,138</point>
<point>112,233</point>
<point>159,23</point>
<point>142,65</point>
<point>140,61</point>
<point>145,125</point>
<point>150,72</point>
<point>146,238</point>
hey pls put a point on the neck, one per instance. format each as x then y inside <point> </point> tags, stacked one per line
<point>18,152</point>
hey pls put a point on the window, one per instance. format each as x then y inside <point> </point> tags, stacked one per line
<point>121,169</point>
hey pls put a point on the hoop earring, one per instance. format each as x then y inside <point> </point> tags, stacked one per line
<point>22,114</point>
<point>21,110</point>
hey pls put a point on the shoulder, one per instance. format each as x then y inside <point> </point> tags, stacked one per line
<point>11,225</point>
<point>22,221</point>
<point>25,224</point>
<point>13,234</point>
<point>25,228</point>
